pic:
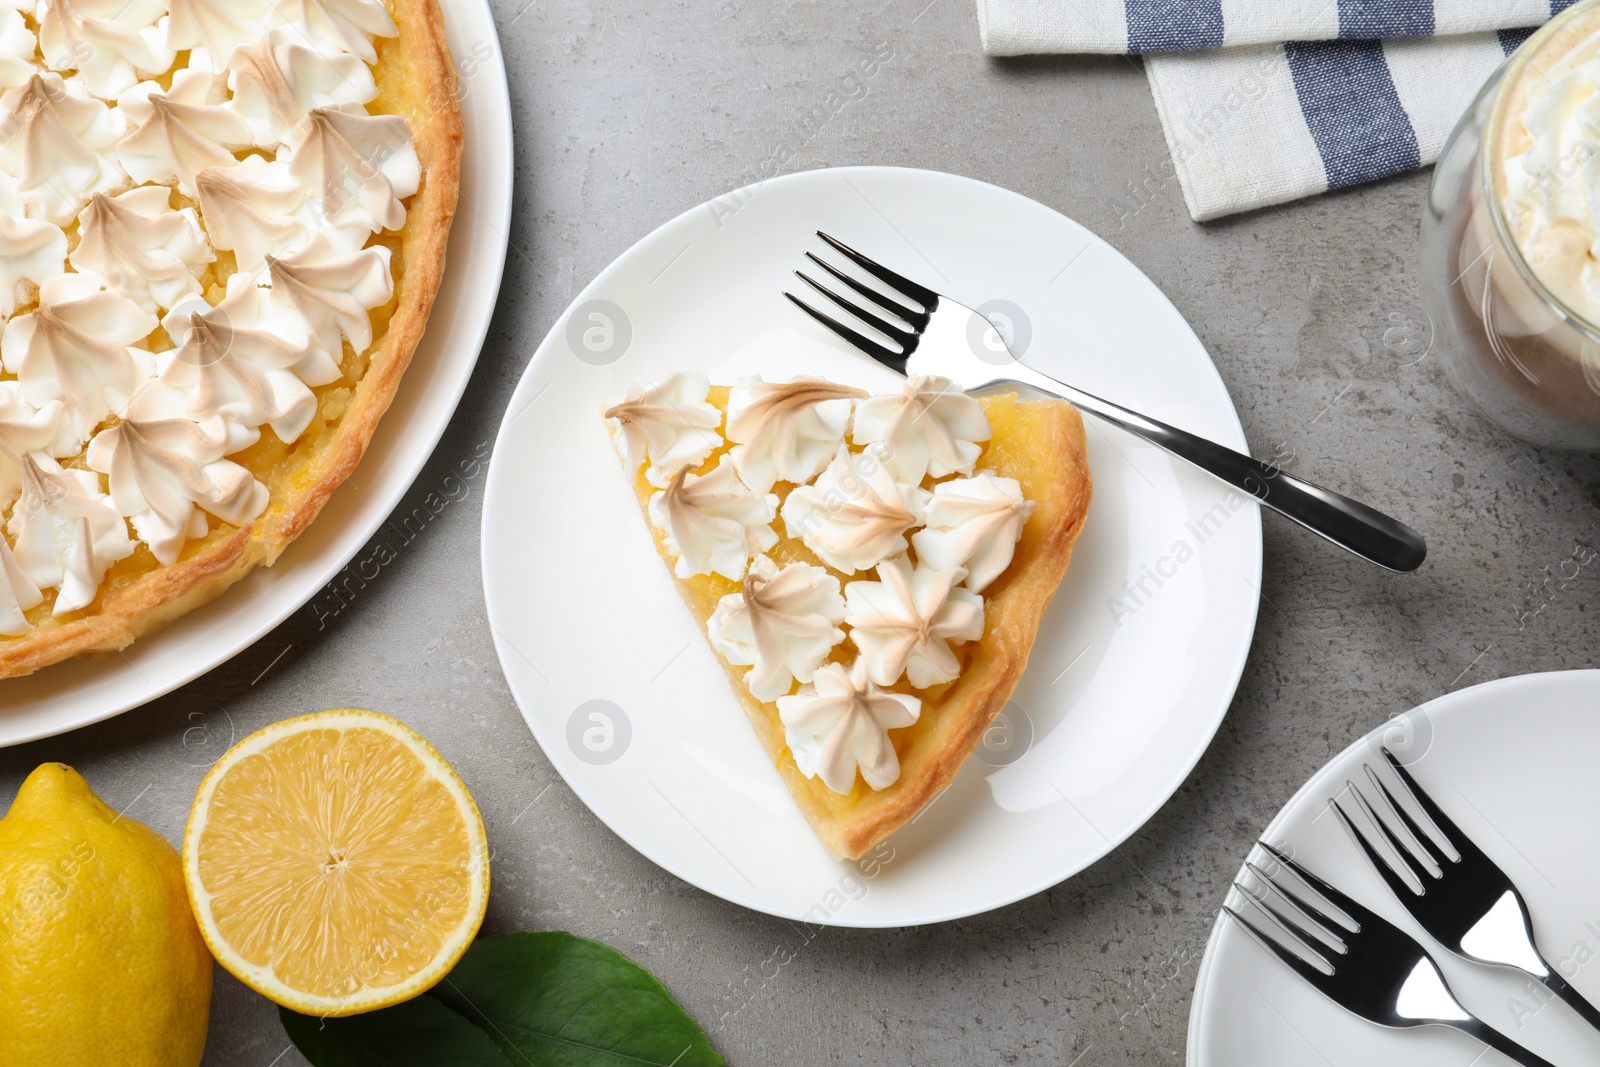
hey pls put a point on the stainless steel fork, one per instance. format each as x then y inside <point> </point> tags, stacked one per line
<point>1361,961</point>
<point>1470,906</point>
<point>933,338</point>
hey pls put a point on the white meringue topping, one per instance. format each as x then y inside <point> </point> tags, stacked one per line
<point>787,431</point>
<point>905,622</point>
<point>784,623</point>
<point>973,523</point>
<point>31,251</point>
<point>144,249</point>
<point>176,134</point>
<point>218,26</point>
<point>17,594</point>
<point>855,515</point>
<point>25,428</point>
<point>841,722</point>
<point>714,522</point>
<point>66,532</point>
<point>17,48</point>
<point>670,425</point>
<point>75,348</point>
<point>234,360</point>
<point>57,140</point>
<point>932,427</point>
<point>251,208</point>
<point>163,467</point>
<point>361,165</point>
<point>339,25</point>
<point>276,83</point>
<point>331,290</point>
<point>110,44</point>
<point>290,75</point>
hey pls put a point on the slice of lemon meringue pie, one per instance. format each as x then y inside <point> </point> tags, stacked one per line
<point>871,570</point>
<point>222,228</point>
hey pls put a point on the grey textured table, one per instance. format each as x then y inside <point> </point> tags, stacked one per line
<point>628,113</point>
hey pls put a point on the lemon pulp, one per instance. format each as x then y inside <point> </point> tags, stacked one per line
<point>336,862</point>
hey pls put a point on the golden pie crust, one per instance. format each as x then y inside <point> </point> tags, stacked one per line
<point>417,81</point>
<point>1041,444</point>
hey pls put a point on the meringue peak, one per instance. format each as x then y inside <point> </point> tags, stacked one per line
<point>32,251</point>
<point>333,291</point>
<point>235,360</point>
<point>110,46</point>
<point>363,165</point>
<point>931,427</point>
<point>973,523</point>
<point>145,250</point>
<point>250,207</point>
<point>52,137</point>
<point>163,468</point>
<point>66,533</point>
<point>278,81</point>
<point>840,724</point>
<point>782,622</point>
<point>179,132</point>
<point>670,425</point>
<point>75,347</point>
<point>215,25</point>
<point>786,431</point>
<point>905,622</point>
<point>347,25</point>
<point>714,522</point>
<point>855,515</point>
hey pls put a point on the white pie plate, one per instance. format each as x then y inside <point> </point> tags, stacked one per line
<point>1512,763</point>
<point>86,690</point>
<point>1111,714</point>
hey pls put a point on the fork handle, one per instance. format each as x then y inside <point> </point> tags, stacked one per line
<point>1500,1042</point>
<point>1574,999</point>
<point>1350,524</point>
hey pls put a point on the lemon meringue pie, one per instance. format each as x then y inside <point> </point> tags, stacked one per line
<point>871,570</point>
<point>222,229</point>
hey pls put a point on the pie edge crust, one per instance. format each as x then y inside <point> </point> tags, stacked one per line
<point>1010,631</point>
<point>172,590</point>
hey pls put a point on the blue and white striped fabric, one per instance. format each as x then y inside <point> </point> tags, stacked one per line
<point>1265,101</point>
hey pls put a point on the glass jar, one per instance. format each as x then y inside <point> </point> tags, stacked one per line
<point>1529,361</point>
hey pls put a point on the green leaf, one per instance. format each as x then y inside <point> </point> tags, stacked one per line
<point>419,1033</point>
<point>556,1000</point>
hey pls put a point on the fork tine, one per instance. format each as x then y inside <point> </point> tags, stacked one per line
<point>1314,924</point>
<point>1356,912</point>
<point>917,319</point>
<point>907,339</point>
<point>895,361</point>
<point>1302,936</point>
<point>1380,863</point>
<point>1421,839</point>
<point>924,296</point>
<point>1311,974</point>
<point>1448,830</point>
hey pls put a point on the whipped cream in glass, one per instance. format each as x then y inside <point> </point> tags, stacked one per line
<point>1550,173</point>
<point>1510,245</point>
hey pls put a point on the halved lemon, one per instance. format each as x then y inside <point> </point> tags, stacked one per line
<point>336,863</point>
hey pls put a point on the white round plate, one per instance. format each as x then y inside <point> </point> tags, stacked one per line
<point>74,694</point>
<point>1512,764</point>
<point>1126,684</point>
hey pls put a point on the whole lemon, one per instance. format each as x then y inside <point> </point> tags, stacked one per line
<point>100,958</point>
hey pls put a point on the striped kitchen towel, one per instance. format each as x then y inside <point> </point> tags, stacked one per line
<point>1265,101</point>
